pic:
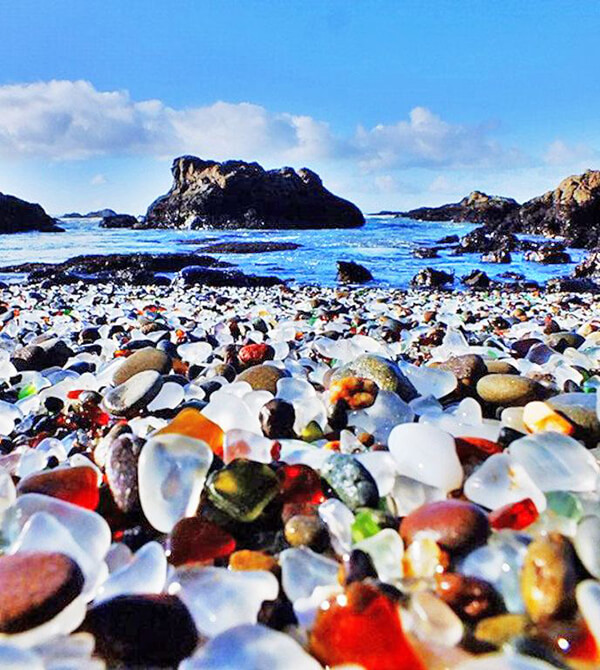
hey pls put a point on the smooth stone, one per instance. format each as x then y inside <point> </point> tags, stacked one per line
<point>122,472</point>
<point>501,481</point>
<point>77,485</point>
<point>385,373</point>
<point>305,530</point>
<point>243,489</point>
<point>467,368</point>
<point>262,377</point>
<point>143,359</point>
<point>277,418</point>
<point>251,647</point>
<point>427,454</point>
<point>560,341</point>
<point>145,573</point>
<point>350,480</point>
<point>500,367</point>
<point>219,599</point>
<point>548,578</point>
<point>456,525</point>
<point>137,392</point>
<point>303,570</point>
<point>556,462</point>
<point>142,630</point>
<point>35,587</point>
<point>508,390</point>
<point>172,470</point>
<point>472,599</point>
<point>587,543</point>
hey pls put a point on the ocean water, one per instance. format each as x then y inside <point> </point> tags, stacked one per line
<point>383,244</point>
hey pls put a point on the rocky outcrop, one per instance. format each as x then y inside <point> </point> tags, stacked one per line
<point>235,194</point>
<point>119,221</point>
<point>572,211</point>
<point>552,253</point>
<point>98,214</point>
<point>19,216</point>
<point>476,279</point>
<point>350,272</point>
<point>247,247</point>
<point>477,207</point>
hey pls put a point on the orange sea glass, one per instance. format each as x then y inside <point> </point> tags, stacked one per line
<point>192,423</point>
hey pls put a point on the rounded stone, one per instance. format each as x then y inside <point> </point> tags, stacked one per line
<point>471,598</point>
<point>277,419</point>
<point>548,578</point>
<point>142,630</point>
<point>580,409</point>
<point>35,588</point>
<point>129,398</point>
<point>468,369</point>
<point>508,390</point>
<point>501,368</point>
<point>142,360</point>
<point>122,472</point>
<point>305,530</point>
<point>351,481</point>
<point>385,373</point>
<point>458,526</point>
<point>262,377</point>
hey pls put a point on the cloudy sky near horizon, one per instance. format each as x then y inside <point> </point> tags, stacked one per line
<point>395,103</point>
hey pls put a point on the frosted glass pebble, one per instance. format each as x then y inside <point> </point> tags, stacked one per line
<point>256,399</point>
<point>219,599</point>
<point>427,454</point>
<point>195,352</point>
<point>556,462</point>
<point>242,444</point>
<point>302,570</point>
<point>169,397</point>
<point>434,621</point>
<point>587,541</point>
<point>87,528</point>
<point>251,648</point>
<point>15,658</point>
<point>9,413</point>
<point>145,573</point>
<point>53,447</point>
<point>382,467</point>
<point>501,480</point>
<point>408,494</point>
<point>430,381</point>
<point>118,556</point>
<point>31,461</point>
<point>388,411</point>
<point>386,550</point>
<point>505,662</point>
<point>339,519</point>
<point>229,412</point>
<point>425,405</point>
<point>172,470</point>
<point>295,452</point>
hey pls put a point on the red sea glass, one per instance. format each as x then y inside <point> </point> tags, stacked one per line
<point>300,484</point>
<point>362,626</point>
<point>196,540</point>
<point>516,516</point>
<point>77,485</point>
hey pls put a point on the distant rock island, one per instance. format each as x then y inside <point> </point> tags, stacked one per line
<point>99,214</point>
<point>20,216</point>
<point>236,194</point>
<point>570,211</point>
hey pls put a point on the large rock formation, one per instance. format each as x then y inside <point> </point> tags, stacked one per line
<point>572,211</point>
<point>477,207</point>
<point>235,194</point>
<point>98,214</point>
<point>19,216</point>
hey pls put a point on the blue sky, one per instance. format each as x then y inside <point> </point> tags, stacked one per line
<point>396,104</point>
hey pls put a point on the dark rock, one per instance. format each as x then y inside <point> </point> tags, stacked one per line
<point>485,239</point>
<point>262,377</point>
<point>425,252</point>
<point>19,216</point>
<point>99,214</point>
<point>548,254</point>
<point>122,472</point>
<point>119,221</point>
<point>277,419</point>
<point>432,278</point>
<point>197,274</point>
<point>572,285</point>
<point>350,480</point>
<point>476,279</point>
<point>477,207</point>
<point>350,272</point>
<point>468,369</point>
<point>448,239</point>
<point>129,398</point>
<point>147,358</point>
<point>235,194</point>
<point>142,630</point>
<point>498,256</point>
<point>247,247</point>
<point>589,267</point>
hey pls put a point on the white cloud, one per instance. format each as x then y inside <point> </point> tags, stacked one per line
<point>69,120</point>
<point>561,153</point>
<point>98,180</point>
